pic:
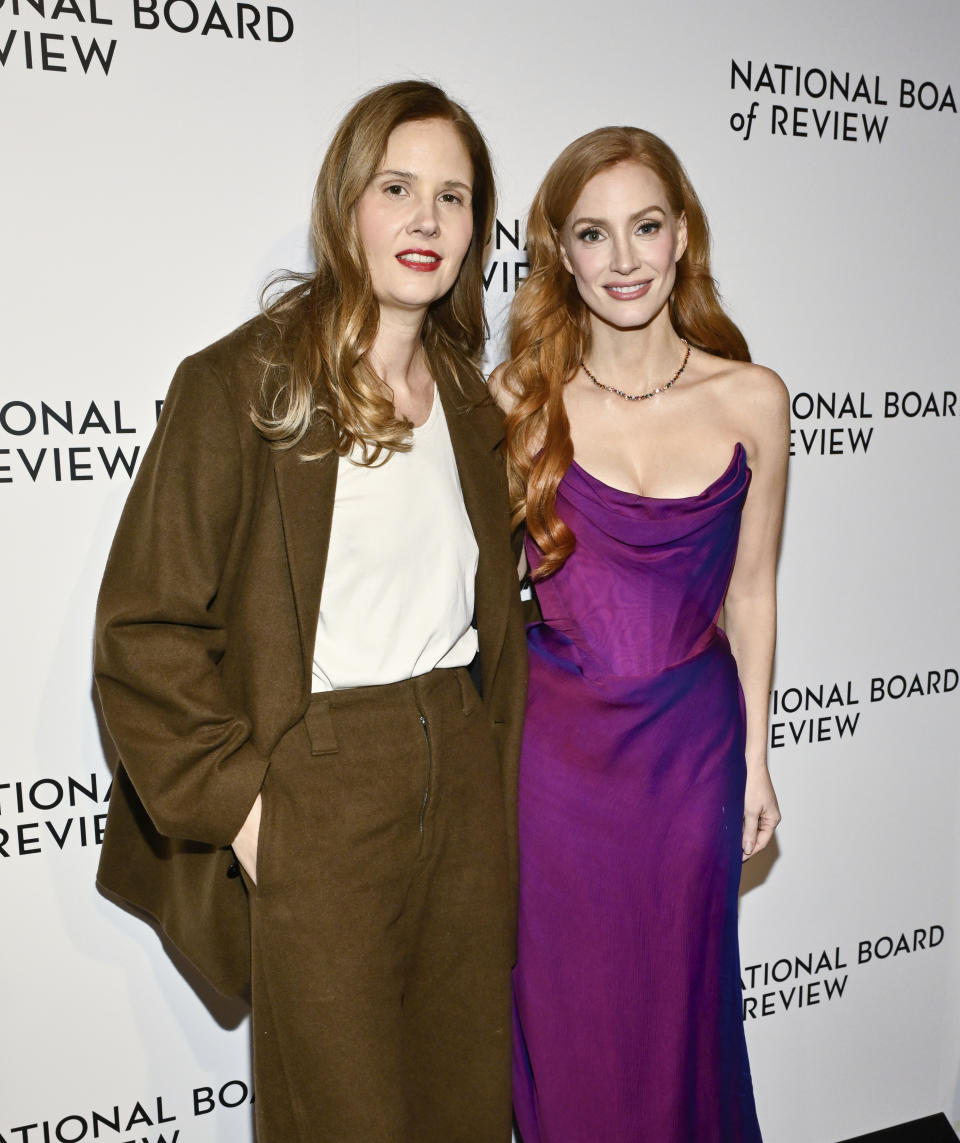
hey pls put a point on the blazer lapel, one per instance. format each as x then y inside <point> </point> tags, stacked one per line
<point>475,432</point>
<point>306,489</point>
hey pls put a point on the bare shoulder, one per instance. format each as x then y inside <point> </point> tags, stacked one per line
<point>753,391</point>
<point>765,410</point>
<point>497,387</point>
<point>750,402</point>
<point>745,380</point>
<point>762,389</point>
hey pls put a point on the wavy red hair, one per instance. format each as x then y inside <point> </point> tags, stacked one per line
<point>549,327</point>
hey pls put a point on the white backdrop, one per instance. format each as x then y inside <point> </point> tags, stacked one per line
<point>150,184</point>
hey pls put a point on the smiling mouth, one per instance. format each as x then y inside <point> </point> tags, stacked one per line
<point>628,291</point>
<point>423,261</point>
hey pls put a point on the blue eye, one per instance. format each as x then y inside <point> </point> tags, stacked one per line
<point>648,228</point>
<point>590,234</point>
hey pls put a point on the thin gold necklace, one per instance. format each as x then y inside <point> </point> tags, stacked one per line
<point>640,396</point>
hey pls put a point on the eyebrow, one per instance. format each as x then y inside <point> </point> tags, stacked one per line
<point>633,217</point>
<point>411,177</point>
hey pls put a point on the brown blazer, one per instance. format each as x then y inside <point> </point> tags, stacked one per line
<point>205,631</point>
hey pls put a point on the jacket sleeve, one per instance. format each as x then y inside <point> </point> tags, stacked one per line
<point>161,623</point>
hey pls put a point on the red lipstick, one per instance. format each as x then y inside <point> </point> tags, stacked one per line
<point>627,291</point>
<point>424,261</point>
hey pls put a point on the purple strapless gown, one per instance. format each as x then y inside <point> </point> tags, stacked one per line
<point>627,985</point>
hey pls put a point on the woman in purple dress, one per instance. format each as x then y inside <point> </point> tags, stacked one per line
<point>648,459</point>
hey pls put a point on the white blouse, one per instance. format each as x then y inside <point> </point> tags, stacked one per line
<point>398,591</point>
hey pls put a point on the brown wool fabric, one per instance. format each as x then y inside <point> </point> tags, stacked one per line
<point>204,642</point>
<point>382,929</point>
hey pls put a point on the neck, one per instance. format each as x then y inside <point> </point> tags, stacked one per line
<point>639,359</point>
<point>397,355</point>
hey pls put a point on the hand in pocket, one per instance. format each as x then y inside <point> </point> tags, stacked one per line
<point>245,843</point>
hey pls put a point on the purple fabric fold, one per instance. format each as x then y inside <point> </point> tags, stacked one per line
<point>627,986</point>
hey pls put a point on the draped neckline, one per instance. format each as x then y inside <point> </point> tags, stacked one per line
<point>739,453</point>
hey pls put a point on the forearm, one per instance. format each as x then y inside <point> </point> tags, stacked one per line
<point>751,625</point>
<point>185,747</point>
<point>161,622</point>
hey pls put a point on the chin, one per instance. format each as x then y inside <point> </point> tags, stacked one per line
<point>629,315</point>
<point>624,319</point>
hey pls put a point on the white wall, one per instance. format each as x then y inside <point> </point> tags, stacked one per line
<point>141,212</point>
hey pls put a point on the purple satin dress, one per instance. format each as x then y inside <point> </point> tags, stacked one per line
<point>627,985</point>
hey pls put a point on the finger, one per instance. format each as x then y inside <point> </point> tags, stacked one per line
<point>751,825</point>
<point>769,820</point>
<point>764,833</point>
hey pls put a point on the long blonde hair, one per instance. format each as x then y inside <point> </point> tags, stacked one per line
<point>326,322</point>
<point>549,327</point>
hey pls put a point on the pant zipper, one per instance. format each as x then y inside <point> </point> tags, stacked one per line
<point>426,791</point>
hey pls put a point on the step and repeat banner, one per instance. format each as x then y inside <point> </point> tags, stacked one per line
<point>158,158</point>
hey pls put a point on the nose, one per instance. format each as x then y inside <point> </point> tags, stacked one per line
<point>622,256</point>
<point>425,219</point>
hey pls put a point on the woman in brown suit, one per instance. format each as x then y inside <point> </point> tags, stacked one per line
<point>315,551</point>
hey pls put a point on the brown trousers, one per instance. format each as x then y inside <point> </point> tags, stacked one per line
<point>381,929</point>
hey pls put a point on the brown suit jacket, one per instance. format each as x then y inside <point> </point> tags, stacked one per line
<point>205,631</point>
